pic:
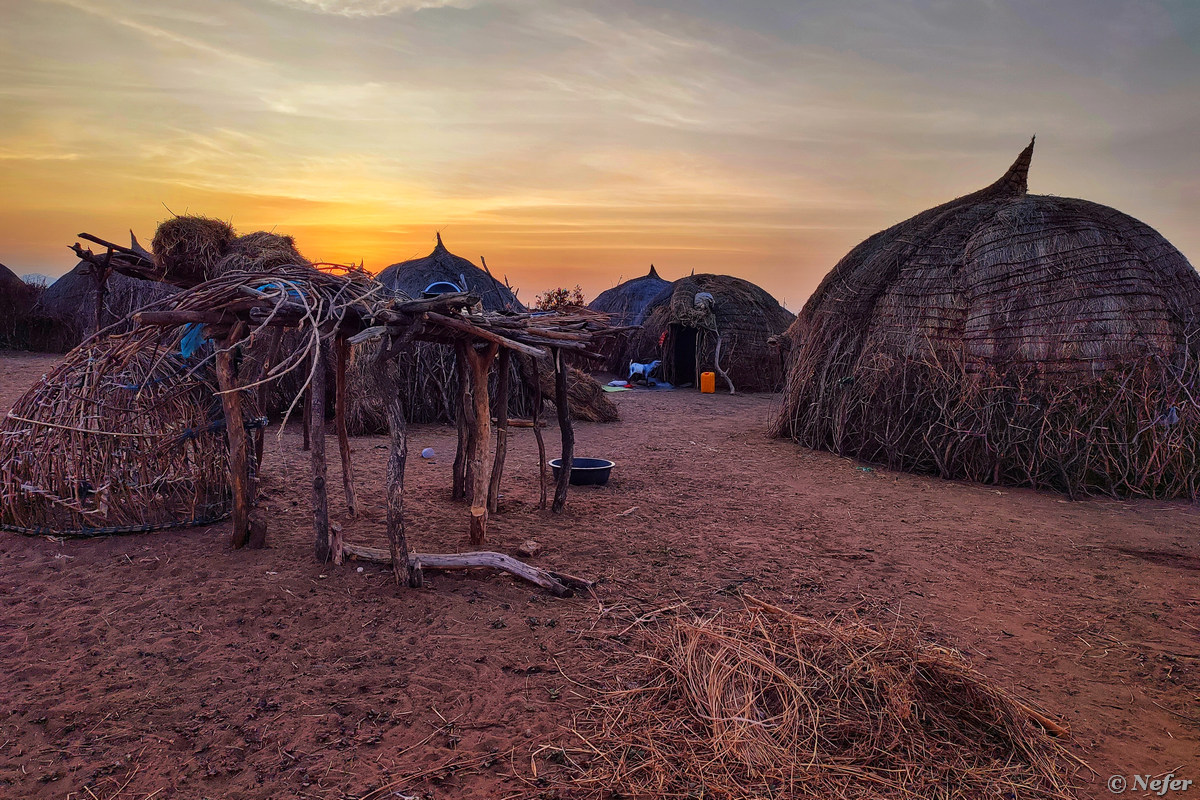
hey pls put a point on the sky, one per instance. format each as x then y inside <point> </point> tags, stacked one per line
<point>577,143</point>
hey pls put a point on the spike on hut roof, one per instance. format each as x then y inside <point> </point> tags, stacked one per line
<point>1006,337</point>
<point>412,277</point>
<point>626,302</point>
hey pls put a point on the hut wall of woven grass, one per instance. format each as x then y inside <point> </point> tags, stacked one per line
<point>626,304</point>
<point>68,305</point>
<point>20,329</point>
<point>119,437</point>
<point>425,373</point>
<point>745,316</point>
<point>412,277</point>
<point>1007,338</point>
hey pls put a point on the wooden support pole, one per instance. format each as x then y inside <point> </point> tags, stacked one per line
<point>568,434</point>
<point>307,415</point>
<point>264,391</point>
<point>462,414</point>
<point>479,364</point>
<point>503,369</point>
<point>339,412</point>
<point>386,385</point>
<point>235,428</point>
<point>102,273</point>
<point>320,498</point>
<point>534,382</point>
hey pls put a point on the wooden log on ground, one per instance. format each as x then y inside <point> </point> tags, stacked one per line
<point>568,433</point>
<point>557,583</point>
<point>339,414</point>
<point>386,384</point>
<point>502,380</point>
<point>231,404</point>
<point>320,498</point>
<point>479,365</point>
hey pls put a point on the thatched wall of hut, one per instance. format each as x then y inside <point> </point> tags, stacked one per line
<point>684,326</point>
<point>425,373</point>
<point>1008,338</point>
<point>626,304</point>
<point>413,277</point>
<point>70,303</point>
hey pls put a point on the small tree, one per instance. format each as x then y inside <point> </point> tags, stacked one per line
<point>559,299</point>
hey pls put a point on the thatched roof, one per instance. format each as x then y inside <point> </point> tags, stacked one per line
<point>71,300</point>
<point>414,276</point>
<point>626,302</point>
<point>913,334</point>
<point>11,285</point>
<point>745,317</point>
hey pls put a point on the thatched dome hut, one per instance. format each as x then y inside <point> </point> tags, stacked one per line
<point>1009,338</point>
<point>70,302</point>
<point>124,435</point>
<point>702,317</point>
<point>15,299</point>
<point>441,271</point>
<point>626,304</point>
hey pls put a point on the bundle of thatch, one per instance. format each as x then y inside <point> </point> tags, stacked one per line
<point>626,304</point>
<point>1009,338</point>
<point>125,434</point>
<point>779,705</point>
<point>715,323</point>
<point>425,373</point>
<point>441,271</point>
<point>189,248</point>
<point>70,303</point>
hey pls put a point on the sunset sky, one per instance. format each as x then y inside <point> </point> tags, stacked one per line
<point>577,143</point>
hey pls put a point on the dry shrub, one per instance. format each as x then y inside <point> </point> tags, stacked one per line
<point>775,705</point>
<point>190,247</point>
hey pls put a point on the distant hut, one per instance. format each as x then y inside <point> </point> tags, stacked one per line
<point>70,302</point>
<point>1007,338</point>
<point>706,323</point>
<point>15,299</point>
<point>441,272</point>
<point>626,304</point>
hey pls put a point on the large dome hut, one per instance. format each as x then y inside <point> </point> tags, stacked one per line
<point>440,272</point>
<point>719,323</point>
<point>1009,338</point>
<point>626,304</point>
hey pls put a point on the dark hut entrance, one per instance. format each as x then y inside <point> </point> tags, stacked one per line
<point>682,368</point>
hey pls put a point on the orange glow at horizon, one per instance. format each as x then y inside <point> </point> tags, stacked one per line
<point>571,145</point>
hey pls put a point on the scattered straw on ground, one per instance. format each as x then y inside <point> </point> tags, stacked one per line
<point>768,704</point>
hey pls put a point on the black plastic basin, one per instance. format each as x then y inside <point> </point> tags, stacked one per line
<point>585,471</point>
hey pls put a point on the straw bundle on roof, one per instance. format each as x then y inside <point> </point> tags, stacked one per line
<point>777,705</point>
<point>191,246</point>
<point>1009,338</point>
<point>700,311</point>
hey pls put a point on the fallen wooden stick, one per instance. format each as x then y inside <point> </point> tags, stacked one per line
<point>556,583</point>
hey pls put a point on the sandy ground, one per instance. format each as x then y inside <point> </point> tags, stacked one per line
<point>167,665</point>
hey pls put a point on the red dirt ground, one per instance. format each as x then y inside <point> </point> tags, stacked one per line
<point>167,665</point>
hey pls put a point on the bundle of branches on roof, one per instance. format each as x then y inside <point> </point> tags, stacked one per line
<point>772,704</point>
<point>1008,338</point>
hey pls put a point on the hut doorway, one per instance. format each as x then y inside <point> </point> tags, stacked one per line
<point>683,355</point>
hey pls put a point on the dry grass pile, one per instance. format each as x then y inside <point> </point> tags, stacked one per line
<point>260,251</point>
<point>191,246</point>
<point>775,705</point>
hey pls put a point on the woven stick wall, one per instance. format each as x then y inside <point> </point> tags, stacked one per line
<point>121,436</point>
<point>1008,338</point>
